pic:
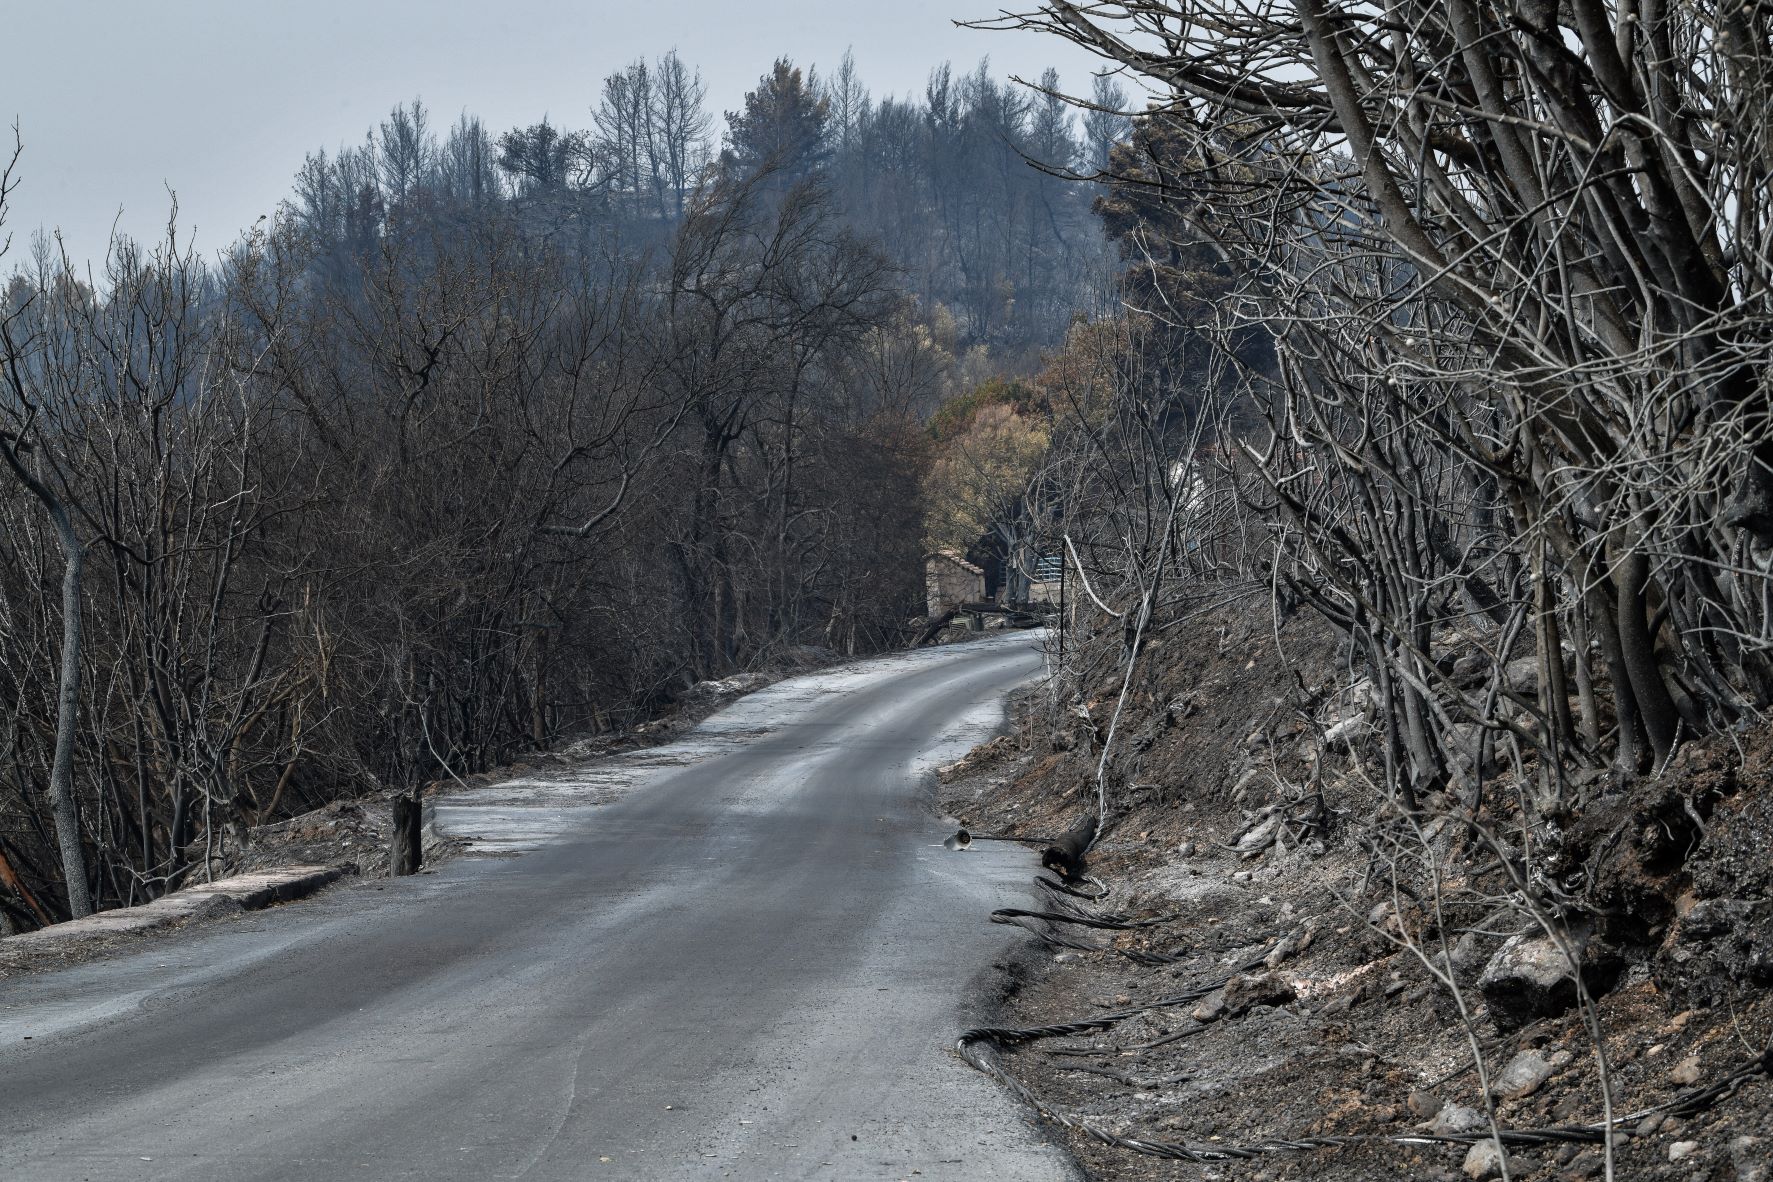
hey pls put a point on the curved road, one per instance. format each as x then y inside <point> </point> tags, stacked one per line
<point>740,956</point>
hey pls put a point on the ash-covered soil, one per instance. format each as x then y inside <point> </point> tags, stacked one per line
<point>1269,858</point>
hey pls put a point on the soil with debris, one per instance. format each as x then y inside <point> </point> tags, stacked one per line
<point>1239,846</point>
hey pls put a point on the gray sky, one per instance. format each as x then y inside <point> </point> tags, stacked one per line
<point>118,100</point>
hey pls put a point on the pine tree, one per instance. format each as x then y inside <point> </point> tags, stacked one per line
<point>782,126</point>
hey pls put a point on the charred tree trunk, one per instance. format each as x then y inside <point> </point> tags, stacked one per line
<point>406,849</point>
<point>1066,855</point>
<point>1656,707</point>
<point>934,629</point>
<point>62,802</point>
<point>1625,704</point>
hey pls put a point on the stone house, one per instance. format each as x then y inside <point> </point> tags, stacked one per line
<point>950,580</point>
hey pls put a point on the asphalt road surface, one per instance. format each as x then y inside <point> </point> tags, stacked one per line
<point>746,955</point>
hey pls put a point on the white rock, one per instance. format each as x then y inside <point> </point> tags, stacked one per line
<point>1455,1119</point>
<point>1485,1161</point>
<point>1261,835</point>
<point>1521,675</point>
<point>1526,1072</point>
<point>1682,1149</point>
<point>1348,728</point>
<point>1529,977</point>
<point>1753,1159</point>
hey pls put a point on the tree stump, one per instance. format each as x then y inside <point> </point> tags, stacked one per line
<point>406,846</point>
<point>933,629</point>
<point>1066,854</point>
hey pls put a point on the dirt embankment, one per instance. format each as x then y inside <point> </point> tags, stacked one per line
<point>1358,954</point>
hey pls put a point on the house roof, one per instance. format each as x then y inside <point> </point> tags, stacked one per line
<point>957,560</point>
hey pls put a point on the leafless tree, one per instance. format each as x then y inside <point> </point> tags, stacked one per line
<point>20,443</point>
<point>1546,265</point>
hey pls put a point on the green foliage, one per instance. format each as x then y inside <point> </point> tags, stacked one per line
<point>782,125</point>
<point>957,416</point>
<point>979,483</point>
<point>1168,265</point>
<point>1172,272</point>
<point>539,156</point>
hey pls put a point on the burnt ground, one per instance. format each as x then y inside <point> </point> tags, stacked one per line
<point>1343,1031</point>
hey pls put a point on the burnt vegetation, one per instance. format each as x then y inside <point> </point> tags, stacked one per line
<point>1389,383</point>
<point>1415,519</point>
<point>486,441</point>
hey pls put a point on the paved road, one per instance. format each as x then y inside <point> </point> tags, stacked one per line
<point>747,963</point>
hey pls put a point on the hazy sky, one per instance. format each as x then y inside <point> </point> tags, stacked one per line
<point>119,101</point>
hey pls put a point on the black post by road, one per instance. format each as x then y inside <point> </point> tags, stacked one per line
<point>406,852</point>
